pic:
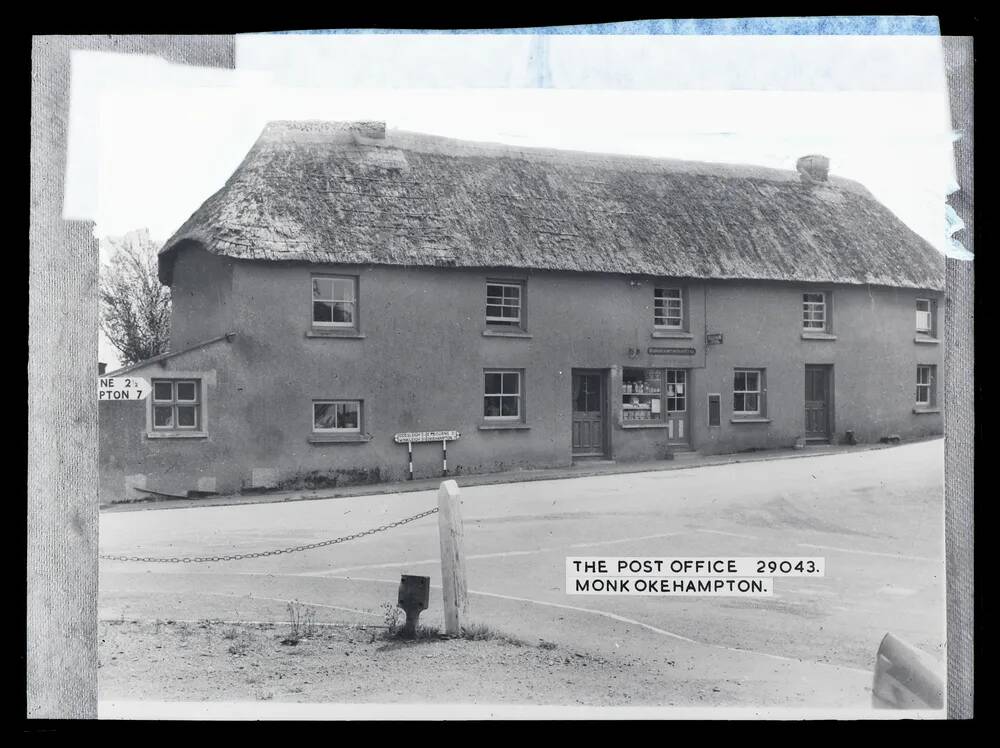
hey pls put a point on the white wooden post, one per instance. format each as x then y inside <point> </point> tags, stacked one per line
<point>453,587</point>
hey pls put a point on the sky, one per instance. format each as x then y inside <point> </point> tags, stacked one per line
<point>150,141</point>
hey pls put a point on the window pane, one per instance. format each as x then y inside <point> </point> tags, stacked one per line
<point>185,391</point>
<point>923,305</point>
<point>740,381</point>
<point>753,381</point>
<point>738,402</point>
<point>163,416</point>
<point>491,406</point>
<point>186,415</point>
<point>163,391</point>
<point>343,289</point>
<point>343,311</point>
<point>348,415</point>
<point>510,384</point>
<point>323,288</point>
<point>324,416</point>
<point>322,311</point>
<point>493,384</point>
<point>508,406</point>
<point>751,404</point>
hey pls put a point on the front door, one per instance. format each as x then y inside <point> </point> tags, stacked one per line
<point>588,413</point>
<point>818,415</point>
<point>675,402</point>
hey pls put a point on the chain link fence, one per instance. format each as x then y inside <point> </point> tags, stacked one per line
<point>262,554</point>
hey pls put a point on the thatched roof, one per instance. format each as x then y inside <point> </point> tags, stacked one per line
<point>354,193</point>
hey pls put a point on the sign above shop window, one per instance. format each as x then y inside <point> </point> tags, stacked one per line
<point>713,338</point>
<point>426,436</point>
<point>657,351</point>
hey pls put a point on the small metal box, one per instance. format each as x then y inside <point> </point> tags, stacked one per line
<point>414,592</point>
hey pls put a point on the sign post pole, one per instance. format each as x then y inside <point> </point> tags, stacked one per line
<point>409,450</point>
<point>444,457</point>
<point>454,591</point>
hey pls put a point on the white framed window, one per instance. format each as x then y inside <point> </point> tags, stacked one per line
<point>502,395</point>
<point>748,392</point>
<point>668,308</point>
<point>926,376</point>
<point>925,316</point>
<point>176,405</point>
<point>336,416</point>
<point>814,311</point>
<point>334,301</point>
<point>505,303</point>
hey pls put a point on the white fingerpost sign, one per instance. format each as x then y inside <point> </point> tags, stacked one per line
<point>122,388</point>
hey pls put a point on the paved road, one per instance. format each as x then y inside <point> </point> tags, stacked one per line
<point>877,518</point>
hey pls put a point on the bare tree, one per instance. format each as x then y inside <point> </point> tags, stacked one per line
<point>135,306</point>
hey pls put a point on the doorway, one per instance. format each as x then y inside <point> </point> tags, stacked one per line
<point>819,402</point>
<point>589,413</point>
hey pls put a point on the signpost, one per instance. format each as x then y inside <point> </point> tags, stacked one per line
<point>409,438</point>
<point>454,592</point>
<point>122,388</point>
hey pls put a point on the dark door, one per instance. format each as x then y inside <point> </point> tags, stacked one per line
<point>588,413</point>
<point>818,414</point>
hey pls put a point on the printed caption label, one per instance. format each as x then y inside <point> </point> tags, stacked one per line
<point>640,575</point>
<point>122,388</point>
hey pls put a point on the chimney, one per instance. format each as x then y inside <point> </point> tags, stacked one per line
<point>813,169</point>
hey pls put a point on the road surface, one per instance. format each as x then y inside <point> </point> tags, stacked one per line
<point>875,516</point>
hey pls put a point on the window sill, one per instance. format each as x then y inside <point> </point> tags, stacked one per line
<point>176,434</point>
<point>925,411</point>
<point>339,438</point>
<point>491,333</point>
<point>926,340</point>
<point>671,334</point>
<point>818,336</point>
<point>624,425</point>
<point>519,426</point>
<point>317,333</point>
<point>750,420</point>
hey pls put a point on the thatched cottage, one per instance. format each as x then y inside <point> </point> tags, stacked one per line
<point>350,283</point>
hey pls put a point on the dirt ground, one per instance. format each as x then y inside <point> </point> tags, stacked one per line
<point>210,660</point>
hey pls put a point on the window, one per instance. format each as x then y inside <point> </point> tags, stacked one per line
<point>814,313</point>
<point>502,395</point>
<point>176,405</point>
<point>649,395</point>
<point>715,410</point>
<point>668,308</point>
<point>926,376</point>
<point>925,316</point>
<point>337,416</point>
<point>334,301</point>
<point>748,392</point>
<point>504,303</point>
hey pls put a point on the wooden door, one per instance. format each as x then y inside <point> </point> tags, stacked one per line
<point>589,414</point>
<point>818,402</point>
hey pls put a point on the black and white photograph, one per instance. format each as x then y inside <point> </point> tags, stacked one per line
<point>562,373</point>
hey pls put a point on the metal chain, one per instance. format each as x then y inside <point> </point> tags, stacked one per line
<point>261,554</point>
